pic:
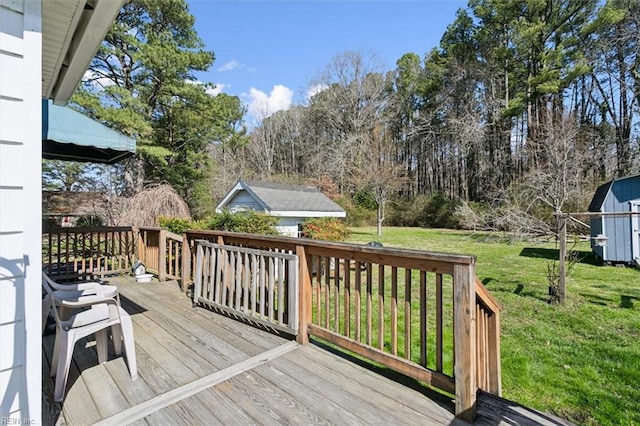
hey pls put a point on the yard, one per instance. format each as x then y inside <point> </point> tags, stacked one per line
<point>580,361</point>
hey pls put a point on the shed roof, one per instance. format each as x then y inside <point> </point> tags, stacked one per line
<point>276,197</point>
<point>601,193</point>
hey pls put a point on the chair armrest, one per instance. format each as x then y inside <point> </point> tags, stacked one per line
<point>88,301</point>
<point>97,287</point>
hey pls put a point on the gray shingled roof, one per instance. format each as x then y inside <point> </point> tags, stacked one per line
<point>281,197</point>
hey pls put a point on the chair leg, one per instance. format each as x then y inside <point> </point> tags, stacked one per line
<point>129,345</point>
<point>46,307</point>
<point>101,345</point>
<point>67,344</point>
<point>116,335</point>
<point>56,350</point>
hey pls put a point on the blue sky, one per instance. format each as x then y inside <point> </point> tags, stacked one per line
<point>268,52</point>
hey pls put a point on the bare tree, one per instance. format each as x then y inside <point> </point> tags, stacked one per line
<point>380,173</point>
<point>348,104</point>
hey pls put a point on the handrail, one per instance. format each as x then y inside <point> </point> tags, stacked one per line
<point>486,297</point>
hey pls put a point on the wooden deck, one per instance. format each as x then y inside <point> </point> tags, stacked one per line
<point>199,367</point>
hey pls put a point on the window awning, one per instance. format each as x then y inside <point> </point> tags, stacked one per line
<point>72,136</point>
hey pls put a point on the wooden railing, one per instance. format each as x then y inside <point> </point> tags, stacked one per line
<point>161,252</point>
<point>79,253</point>
<point>395,307</point>
<point>423,314</point>
<point>255,284</point>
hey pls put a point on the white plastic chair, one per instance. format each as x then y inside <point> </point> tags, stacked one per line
<point>104,312</point>
<point>73,292</point>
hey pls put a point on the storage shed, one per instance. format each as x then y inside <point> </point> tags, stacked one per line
<point>615,234</point>
<point>293,204</point>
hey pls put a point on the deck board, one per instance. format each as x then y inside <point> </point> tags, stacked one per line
<point>178,346</point>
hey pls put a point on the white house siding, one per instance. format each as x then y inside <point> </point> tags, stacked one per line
<point>20,210</point>
<point>288,226</point>
<point>244,201</point>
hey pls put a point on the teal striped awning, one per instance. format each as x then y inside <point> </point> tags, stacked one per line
<point>72,136</point>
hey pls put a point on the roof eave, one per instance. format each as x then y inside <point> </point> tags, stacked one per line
<point>307,213</point>
<point>87,29</point>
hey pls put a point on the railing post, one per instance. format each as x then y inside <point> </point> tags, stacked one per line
<point>465,352</point>
<point>186,263</point>
<point>139,244</point>
<point>304,315</point>
<point>162,255</point>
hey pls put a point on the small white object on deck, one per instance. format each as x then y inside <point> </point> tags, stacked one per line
<point>144,278</point>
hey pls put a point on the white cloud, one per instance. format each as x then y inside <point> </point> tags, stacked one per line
<point>96,80</point>
<point>230,66</point>
<point>262,105</point>
<point>213,91</point>
<point>314,90</point>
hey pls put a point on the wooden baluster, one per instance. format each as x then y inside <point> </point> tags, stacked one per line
<point>336,295</point>
<point>271,289</point>
<point>369,304</point>
<point>327,290</point>
<point>357,308</point>
<point>381,307</point>
<point>394,310</point>
<point>407,313</point>
<point>347,298</point>
<point>439,323</point>
<point>423,318</point>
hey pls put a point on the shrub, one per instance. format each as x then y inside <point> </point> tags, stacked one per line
<point>177,225</point>
<point>439,212</point>
<point>89,220</point>
<point>357,215</point>
<point>365,199</point>
<point>248,221</point>
<point>403,212</point>
<point>325,228</point>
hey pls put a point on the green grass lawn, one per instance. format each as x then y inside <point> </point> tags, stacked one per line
<point>580,361</point>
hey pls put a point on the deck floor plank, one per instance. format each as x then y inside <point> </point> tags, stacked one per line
<point>248,339</point>
<point>252,403</point>
<point>104,391</point>
<point>165,341</point>
<point>306,395</point>
<point>330,389</point>
<point>225,410</point>
<point>396,396</point>
<point>135,391</point>
<point>153,374</point>
<point>280,401</point>
<point>193,412</point>
<point>157,350</point>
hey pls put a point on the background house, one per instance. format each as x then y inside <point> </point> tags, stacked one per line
<point>47,46</point>
<point>293,204</point>
<point>617,200</point>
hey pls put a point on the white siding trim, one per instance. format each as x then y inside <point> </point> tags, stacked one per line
<point>21,210</point>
